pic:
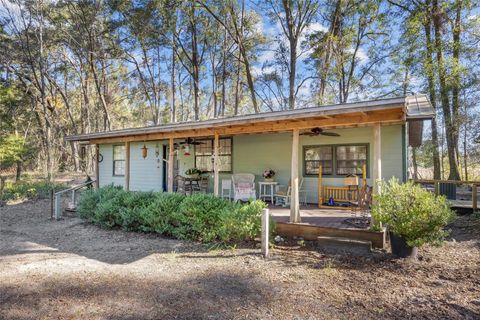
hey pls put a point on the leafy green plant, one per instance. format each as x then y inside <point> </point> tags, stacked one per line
<point>200,217</point>
<point>193,171</point>
<point>412,212</point>
<point>30,190</point>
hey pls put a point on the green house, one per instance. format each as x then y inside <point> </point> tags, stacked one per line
<point>343,139</point>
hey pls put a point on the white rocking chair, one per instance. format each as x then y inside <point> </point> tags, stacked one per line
<point>243,186</point>
<point>283,194</point>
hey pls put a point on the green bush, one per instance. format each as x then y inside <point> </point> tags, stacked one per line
<point>200,217</point>
<point>30,190</point>
<point>160,215</point>
<point>412,212</point>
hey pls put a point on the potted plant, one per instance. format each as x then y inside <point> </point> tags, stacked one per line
<point>269,175</point>
<point>193,172</point>
<point>412,215</point>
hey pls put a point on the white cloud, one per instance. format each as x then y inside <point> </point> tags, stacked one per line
<point>266,56</point>
<point>316,27</point>
<point>361,55</point>
<point>258,71</point>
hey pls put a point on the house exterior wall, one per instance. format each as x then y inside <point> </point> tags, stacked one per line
<point>146,174</point>
<point>105,167</point>
<point>254,153</point>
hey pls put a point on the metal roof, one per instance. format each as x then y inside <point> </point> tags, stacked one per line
<point>417,107</point>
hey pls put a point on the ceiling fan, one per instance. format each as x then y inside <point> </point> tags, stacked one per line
<point>319,131</point>
<point>192,142</point>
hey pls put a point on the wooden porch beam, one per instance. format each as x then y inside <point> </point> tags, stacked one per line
<point>127,166</point>
<point>353,119</point>
<point>171,152</point>
<point>294,201</point>
<point>377,157</point>
<point>216,168</point>
<point>97,171</point>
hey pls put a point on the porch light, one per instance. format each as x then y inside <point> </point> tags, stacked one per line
<point>186,149</point>
<point>144,151</point>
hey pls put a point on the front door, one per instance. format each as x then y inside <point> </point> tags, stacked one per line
<point>165,168</point>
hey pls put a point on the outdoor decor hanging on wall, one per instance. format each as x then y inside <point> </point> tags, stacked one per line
<point>144,151</point>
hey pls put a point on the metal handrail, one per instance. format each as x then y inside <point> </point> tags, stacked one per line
<point>57,197</point>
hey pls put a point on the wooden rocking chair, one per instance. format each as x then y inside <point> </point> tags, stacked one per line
<point>362,204</point>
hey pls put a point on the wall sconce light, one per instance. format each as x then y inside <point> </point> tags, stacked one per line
<point>157,150</point>
<point>144,151</point>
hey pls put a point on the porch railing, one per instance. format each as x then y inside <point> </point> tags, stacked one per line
<point>72,205</point>
<point>460,193</point>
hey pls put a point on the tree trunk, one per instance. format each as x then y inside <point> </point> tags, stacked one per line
<point>195,65</point>
<point>456,83</point>
<point>18,173</point>
<point>335,26</point>
<point>173,111</point>
<point>414,163</point>
<point>447,114</point>
<point>224,67</point>
<point>244,55</point>
<point>432,94</point>
<point>237,86</point>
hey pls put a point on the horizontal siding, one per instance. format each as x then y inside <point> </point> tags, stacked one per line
<point>106,167</point>
<point>392,152</point>
<point>145,174</point>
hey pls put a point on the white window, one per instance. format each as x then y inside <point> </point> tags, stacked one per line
<point>119,160</point>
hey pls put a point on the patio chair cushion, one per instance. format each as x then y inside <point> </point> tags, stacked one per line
<point>244,186</point>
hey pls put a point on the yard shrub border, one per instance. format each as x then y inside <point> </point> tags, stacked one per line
<point>199,217</point>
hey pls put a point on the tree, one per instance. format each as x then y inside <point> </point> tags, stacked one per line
<point>294,17</point>
<point>347,53</point>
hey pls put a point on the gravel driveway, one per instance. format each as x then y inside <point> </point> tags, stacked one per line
<point>72,270</point>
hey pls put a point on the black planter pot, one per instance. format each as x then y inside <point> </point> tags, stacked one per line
<point>400,248</point>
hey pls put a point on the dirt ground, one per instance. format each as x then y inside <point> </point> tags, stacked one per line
<point>71,270</point>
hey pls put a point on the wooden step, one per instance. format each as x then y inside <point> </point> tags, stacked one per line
<point>344,245</point>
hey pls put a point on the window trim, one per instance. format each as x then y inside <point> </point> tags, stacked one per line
<point>213,142</point>
<point>334,159</point>
<point>113,160</point>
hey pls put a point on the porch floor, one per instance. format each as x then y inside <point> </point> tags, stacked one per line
<point>312,215</point>
<point>318,222</point>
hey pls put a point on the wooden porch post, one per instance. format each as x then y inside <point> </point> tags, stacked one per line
<point>171,152</point>
<point>127,166</point>
<point>377,158</point>
<point>97,171</point>
<point>294,201</point>
<point>215,164</point>
<point>320,186</point>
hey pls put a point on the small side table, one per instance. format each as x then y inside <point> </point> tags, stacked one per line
<point>263,188</point>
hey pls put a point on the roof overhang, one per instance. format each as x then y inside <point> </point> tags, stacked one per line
<point>385,111</point>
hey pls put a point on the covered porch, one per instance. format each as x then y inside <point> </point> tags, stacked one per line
<point>361,122</point>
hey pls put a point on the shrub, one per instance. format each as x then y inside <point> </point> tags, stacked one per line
<point>200,217</point>
<point>160,214</point>
<point>412,212</point>
<point>30,190</point>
